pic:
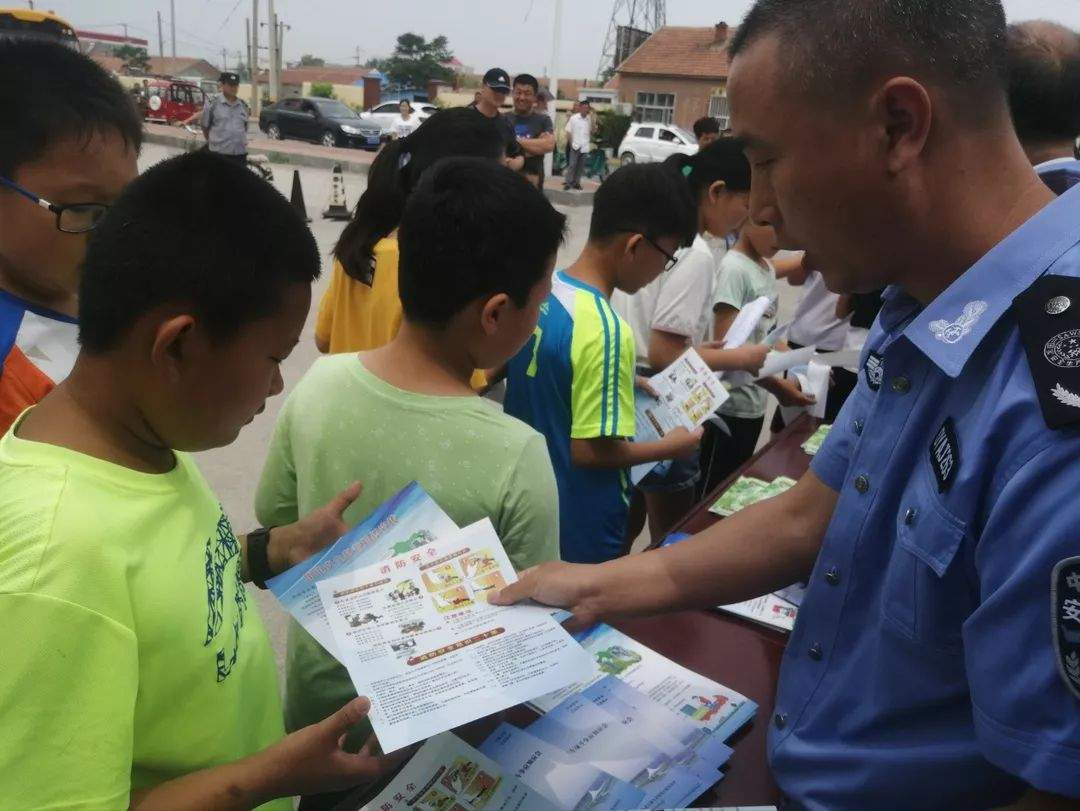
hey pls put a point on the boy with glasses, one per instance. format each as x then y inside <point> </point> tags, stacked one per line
<point>69,145</point>
<point>574,382</point>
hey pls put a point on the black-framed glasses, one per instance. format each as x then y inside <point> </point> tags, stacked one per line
<point>76,218</point>
<point>672,260</point>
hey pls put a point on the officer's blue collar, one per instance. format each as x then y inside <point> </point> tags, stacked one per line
<point>951,327</point>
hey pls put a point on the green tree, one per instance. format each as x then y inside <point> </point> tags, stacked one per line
<point>416,61</point>
<point>309,61</point>
<point>322,90</point>
<point>136,60</point>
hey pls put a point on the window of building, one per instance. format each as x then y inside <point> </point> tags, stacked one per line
<point>720,110</point>
<point>658,107</point>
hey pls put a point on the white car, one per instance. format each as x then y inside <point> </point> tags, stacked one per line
<point>384,114</point>
<point>653,142</point>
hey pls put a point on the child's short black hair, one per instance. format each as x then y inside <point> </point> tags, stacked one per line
<point>644,198</point>
<point>706,125</point>
<point>472,228</point>
<point>198,229</point>
<point>49,92</point>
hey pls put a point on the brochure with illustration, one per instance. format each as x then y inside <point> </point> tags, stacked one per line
<point>419,638</point>
<point>570,784</point>
<point>771,610</point>
<point>689,746</point>
<point>742,493</point>
<point>407,521</point>
<point>449,775</point>
<point>706,703</point>
<point>688,393</point>
<point>588,734</point>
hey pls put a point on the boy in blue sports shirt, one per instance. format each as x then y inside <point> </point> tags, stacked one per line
<point>574,382</point>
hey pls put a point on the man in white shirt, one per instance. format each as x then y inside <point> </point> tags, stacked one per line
<point>579,136</point>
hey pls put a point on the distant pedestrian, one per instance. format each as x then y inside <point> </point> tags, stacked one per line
<point>579,142</point>
<point>489,100</point>
<point>224,120</point>
<point>534,130</point>
<point>706,130</point>
<point>406,122</point>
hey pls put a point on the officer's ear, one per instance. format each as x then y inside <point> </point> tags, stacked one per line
<point>902,112</point>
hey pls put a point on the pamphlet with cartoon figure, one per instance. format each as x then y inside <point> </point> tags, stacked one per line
<point>546,769</point>
<point>688,393</point>
<point>407,521</point>
<point>696,698</point>
<point>689,746</point>
<point>449,775</point>
<point>418,637</point>
<point>771,610</point>
<point>586,733</point>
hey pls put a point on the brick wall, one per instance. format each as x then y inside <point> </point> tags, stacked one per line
<point>691,95</point>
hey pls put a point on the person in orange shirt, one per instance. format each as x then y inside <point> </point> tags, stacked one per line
<point>69,145</point>
<point>361,309</point>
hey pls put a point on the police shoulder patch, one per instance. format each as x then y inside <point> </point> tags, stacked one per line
<point>1048,314</point>
<point>1065,621</point>
<point>874,370</point>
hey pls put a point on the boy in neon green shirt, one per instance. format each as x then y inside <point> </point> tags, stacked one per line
<point>478,244</point>
<point>136,671</point>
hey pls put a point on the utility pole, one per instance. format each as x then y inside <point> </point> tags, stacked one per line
<point>357,56</point>
<point>271,30</point>
<point>172,25</point>
<point>124,26</point>
<point>556,36</point>
<point>247,43</point>
<point>160,38</point>
<point>224,61</point>
<point>254,59</point>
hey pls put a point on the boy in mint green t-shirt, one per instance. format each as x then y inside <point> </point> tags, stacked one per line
<point>478,247</point>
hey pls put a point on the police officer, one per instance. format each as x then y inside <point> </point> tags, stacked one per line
<point>224,120</point>
<point>936,660</point>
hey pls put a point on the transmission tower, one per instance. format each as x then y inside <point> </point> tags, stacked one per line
<point>631,22</point>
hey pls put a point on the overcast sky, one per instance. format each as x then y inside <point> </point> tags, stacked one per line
<point>513,34</point>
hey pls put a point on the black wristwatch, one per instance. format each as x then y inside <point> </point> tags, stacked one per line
<point>258,556</point>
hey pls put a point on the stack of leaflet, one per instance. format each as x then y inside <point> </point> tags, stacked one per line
<point>747,490</point>
<point>401,602</point>
<point>816,440</point>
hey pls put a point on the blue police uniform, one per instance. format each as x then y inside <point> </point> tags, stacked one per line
<point>936,660</point>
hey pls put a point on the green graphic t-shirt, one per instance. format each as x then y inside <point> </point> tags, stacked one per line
<point>131,651</point>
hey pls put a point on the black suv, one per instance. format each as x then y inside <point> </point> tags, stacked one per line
<point>326,121</point>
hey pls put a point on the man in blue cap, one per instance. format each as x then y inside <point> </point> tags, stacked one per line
<point>488,103</point>
<point>936,660</point>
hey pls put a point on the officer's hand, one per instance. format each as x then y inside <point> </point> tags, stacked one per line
<point>558,584</point>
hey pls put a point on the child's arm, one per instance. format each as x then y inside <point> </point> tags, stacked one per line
<point>612,452</point>
<point>665,348</point>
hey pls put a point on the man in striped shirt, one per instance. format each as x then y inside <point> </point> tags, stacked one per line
<point>574,381</point>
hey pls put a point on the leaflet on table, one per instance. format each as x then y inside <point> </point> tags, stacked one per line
<point>747,490</point>
<point>688,393</point>
<point>689,746</point>
<point>742,327</point>
<point>586,733</point>
<point>449,775</point>
<point>699,699</point>
<point>408,520</point>
<point>547,770</point>
<point>816,440</point>
<point>770,610</point>
<point>418,637</point>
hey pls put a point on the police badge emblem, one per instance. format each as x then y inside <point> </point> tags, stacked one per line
<point>951,332</point>
<point>1065,607</point>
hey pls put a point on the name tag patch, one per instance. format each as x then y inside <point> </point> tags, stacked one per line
<point>945,455</point>
<point>1065,605</point>
<point>875,370</point>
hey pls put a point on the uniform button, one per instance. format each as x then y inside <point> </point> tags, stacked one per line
<point>780,719</point>
<point>910,516</point>
<point>856,426</point>
<point>862,484</point>
<point>832,577</point>
<point>815,652</point>
<point>901,385</point>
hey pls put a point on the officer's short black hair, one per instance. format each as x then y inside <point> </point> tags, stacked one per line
<point>49,92</point>
<point>528,80</point>
<point>839,47</point>
<point>1044,81</point>
<point>196,229</point>
<point>706,125</point>
<point>472,229</point>
<point>644,198</point>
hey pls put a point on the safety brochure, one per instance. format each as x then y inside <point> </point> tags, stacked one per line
<point>449,775</point>
<point>743,325</point>
<point>689,746</point>
<point>706,703</point>
<point>688,393</point>
<point>569,783</point>
<point>747,490</point>
<point>408,520</point>
<point>771,610</point>
<point>419,638</point>
<point>816,440</point>
<point>585,732</point>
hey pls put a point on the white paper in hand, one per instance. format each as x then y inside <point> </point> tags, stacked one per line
<point>748,318</point>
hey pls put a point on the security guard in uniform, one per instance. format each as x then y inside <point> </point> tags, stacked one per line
<point>936,659</point>
<point>224,120</point>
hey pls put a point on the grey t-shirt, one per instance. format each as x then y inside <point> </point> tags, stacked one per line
<point>227,123</point>
<point>532,125</point>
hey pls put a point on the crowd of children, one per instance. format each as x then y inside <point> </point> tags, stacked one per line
<point>148,679</point>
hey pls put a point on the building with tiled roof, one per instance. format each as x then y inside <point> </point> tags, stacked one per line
<point>678,75</point>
